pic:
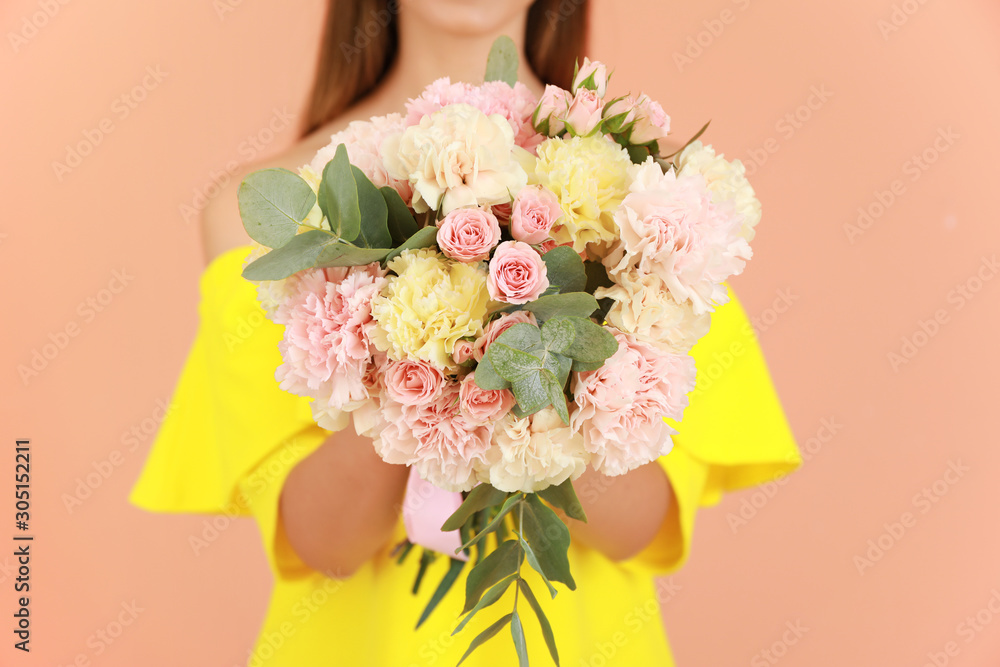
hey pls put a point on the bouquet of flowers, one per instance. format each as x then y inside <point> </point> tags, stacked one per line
<point>501,291</point>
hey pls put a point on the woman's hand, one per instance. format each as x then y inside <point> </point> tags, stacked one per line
<point>624,513</point>
<point>340,504</point>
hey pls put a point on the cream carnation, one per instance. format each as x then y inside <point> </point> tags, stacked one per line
<point>644,307</point>
<point>727,181</point>
<point>589,177</point>
<point>534,453</point>
<point>456,157</point>
<point>429,305</point>
<point>670,227</point>
<point>620,407</point>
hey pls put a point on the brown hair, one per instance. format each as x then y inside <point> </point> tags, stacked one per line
<point>360,42</point>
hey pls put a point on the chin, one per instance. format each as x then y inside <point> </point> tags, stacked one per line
<point>466,17</point>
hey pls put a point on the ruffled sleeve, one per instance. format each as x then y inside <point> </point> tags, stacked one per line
<point>231,435</point>
<point>733,435</point>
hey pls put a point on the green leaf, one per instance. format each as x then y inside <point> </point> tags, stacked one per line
<point>426,558</point>
<point>489,598</point>
<point>582,367</point>
<point>501,65</point>
<point>300,253</point>
<point>504,509</point>
<point>521,336</point>
<point>550,639</point>
<point>446,583</point>
<point>374,232</point>
<point>486,635</point>
<point>637,154</point>
<point>479,498</point>
<point>399,218</point>
<point>529,554</point>
<point>273,202</point>
<point>404,550</point>
<point>556,395</point>
<point>564,497</point>
<point>549,538</point>
<point>531,392</point>
<point>486,376</point>
<point>423,238</point>
<point>558,334</point>
<point>517,632</point>
<point>511,363</point>
<point>578,304</point>
<point>591,343</point>
<point>503,562</point>
<point>565,269</point>
<point>338,196</point>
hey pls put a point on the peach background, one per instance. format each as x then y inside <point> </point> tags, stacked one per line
<point>895,431</point>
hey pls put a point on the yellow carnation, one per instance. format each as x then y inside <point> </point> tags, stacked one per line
<point>589,175</point>
<point>429,305</point>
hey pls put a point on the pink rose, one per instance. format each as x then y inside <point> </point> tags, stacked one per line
<point>535,211</point>
<point>550,110</point>
<point>413,382</point>
<point>583,117</point>
<point>468,234</point>
<point>497,327</point>
<point>463,351</point>
<point>483,405</point>
<point>517,273</point>
<point>651,122</point>
<point>592,75</point>
<point>502,212</point>
<point>619,114</point>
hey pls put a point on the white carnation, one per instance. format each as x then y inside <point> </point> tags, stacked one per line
<point>644,307</point>
<point>534,453</point>
<point>456,157</point>
<point>727,181</point>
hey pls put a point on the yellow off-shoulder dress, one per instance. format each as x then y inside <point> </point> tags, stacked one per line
<point>232,436</point>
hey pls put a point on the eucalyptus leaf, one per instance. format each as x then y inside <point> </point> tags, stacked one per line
<point>489,597</point>
<point>591,343</point>
<point>502,562</point>
<point>582,367</point>
<point>564,497</point>
<point>374,230</point>
<point>501,65</point>
<point>556,395</point>
<point>497,520</point>
<point>273,202</point>
<point>479,498</point>
<point>338,196</point>
<point>520,646</point>
<point>549,538</point>
<point>521,336</point>
<point>578,304</point>
<point>543,621</point>
<point>486,376</point>
<point>399,220</point>
<point>565,269</point>
<point>423,238</point>
<point>446,583</point>
<point>529,555</point>
<point>300,253</point>
<point>486,635</point>
<point>531,392</point>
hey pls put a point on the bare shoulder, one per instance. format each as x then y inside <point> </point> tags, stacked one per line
<point>221,227</point>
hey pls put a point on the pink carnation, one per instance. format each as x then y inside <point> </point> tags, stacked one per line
<point>534,213</point>
<point>468,234</point>
<point>621,406</point>
<point>364,144</point>
<point>483,405</point>
<point>435,438</point>
<point>413,382</point>
<point>515,104</point>
<point>670,227</point>
<point>517,273</point>
<point>497,327</point>
<point>326,348</point>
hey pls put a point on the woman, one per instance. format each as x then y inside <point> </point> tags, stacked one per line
<point>328,506</point>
